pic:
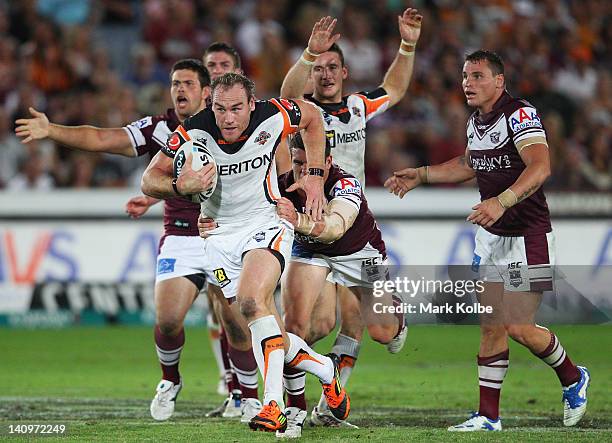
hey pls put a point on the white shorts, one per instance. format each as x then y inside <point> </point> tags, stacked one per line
<point>521,263</point>
<point>224,252</point>
<point>180,256</point>
<point>360,269</point>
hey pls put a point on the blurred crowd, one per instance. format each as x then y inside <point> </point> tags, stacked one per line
<point>106,63</point>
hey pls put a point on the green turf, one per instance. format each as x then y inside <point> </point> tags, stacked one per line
<point>99,381</point>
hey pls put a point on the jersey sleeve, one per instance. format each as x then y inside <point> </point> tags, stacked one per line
<point>174,142</point>
<point>348,189</point>
<point>140,133</point>
<point>526,127</point>
<point>291,113</point>
<point>376,102</point>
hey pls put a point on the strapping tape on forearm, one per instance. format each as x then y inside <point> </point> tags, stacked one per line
<point>507,198</point>
<point>338,218</point>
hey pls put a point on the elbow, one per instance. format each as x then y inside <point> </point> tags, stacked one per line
<point>145,186</point>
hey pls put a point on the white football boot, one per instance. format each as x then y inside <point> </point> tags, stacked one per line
<point>396,345</point>
<point>250,408</point>
<point>233,407</point>
<point>575,398</point>
<point>295,422</point>
<point>477,422</point>
<point>162,406</point>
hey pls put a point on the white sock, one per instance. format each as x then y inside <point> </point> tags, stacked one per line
<point>303,357</point>
<point>268,348</point>
<point>347,349</point>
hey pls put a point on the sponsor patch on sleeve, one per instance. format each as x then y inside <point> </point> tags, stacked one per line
<point>524,118</point>
<point>346,186</point>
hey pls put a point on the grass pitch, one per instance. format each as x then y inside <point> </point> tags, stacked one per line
<point>99,382</point>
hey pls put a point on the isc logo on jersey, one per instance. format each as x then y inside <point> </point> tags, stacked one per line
<point>201,157</point>
<point>347,186</point>
<point>525,118</point>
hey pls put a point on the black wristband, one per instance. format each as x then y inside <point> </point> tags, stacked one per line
<point>175,187</point>
<point>316,171</point>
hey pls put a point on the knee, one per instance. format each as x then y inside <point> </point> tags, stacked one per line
<point>320,329</point>
<point>248,308</point>
<point>169,325</point>
<point>297,326</point>
<point>519,333</point>
<point>382,333</point>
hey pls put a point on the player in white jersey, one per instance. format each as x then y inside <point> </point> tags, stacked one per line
<point>345,118</point>
<point>246,253</point>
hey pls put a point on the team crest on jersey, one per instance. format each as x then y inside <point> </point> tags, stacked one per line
<point>260,236</point>
<point>221,277</point>
<point>356,111</point>
<point>523,118</point>
<point>495,136</point>
<point>347,186</point>
<point>262,138</point>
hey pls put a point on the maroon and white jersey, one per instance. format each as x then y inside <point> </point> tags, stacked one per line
<point>494,142</point>
<point>148,135</point>
<point>339,184</point>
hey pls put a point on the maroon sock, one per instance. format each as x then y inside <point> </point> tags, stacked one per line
<point>245,367</point>
<point>169,353</point>
<point>491,373</point>
<point>230,377</point>
<point>294,381</point>
<point>555,356</point>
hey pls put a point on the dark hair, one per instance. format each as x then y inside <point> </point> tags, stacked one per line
<point>495,61</point>
<point>224,47</point>
<point>194,65</point>
<point>296,142</point>
<point>230,79</point>
<point>335,48</point>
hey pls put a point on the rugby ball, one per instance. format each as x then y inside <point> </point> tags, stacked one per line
<point>201,157</point>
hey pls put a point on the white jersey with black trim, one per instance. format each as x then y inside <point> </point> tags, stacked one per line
<point>247,186</point>
<point>345,127</point>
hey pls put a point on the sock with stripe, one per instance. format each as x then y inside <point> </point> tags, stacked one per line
<point>169,353</point>
<point>347,348</point>
<point>268,348</point>
<point>303,358</point>
<point>491,373</point>
<point>245,368</point>
<point>555,356</point>
<point>294,381</point>
<point>231,380</point>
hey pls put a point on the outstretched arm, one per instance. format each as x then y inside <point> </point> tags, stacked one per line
<point>398,75</point>
<point>456,170</point>
<point>321,39</point>
<point>86,138</point>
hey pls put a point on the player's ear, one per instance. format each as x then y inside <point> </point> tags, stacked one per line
<point>344,72</point>
<point>205,93</point>
<point>328,161</point>
<point>252,104</point>
<point>500,81</point>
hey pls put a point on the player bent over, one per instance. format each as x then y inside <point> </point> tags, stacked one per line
<point>346,243</point>
<point>508,154</point>
<point>246,252</point>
